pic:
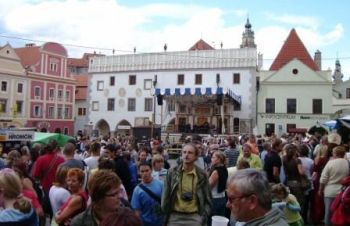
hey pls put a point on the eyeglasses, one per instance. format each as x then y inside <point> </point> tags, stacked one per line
<point>232,199</point>
<point>113,194</point>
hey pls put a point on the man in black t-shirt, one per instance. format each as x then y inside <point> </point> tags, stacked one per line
<point>273,163</point>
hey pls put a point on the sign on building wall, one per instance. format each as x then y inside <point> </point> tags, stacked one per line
<point>19,135</point>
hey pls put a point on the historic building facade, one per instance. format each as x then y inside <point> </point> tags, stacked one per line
<point>203,90</point>
<point>14,106</point>
<point>78,67</point>
<point>295,94</point>
<point>51,88</point>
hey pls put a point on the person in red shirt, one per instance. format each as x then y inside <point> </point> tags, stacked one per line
<point>45,169</point>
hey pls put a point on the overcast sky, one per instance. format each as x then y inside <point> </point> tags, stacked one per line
<point>122,25</point>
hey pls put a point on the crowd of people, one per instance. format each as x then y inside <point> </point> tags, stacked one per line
<point>288,180</point>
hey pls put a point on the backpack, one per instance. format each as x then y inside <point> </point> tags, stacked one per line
<point>341,205</point>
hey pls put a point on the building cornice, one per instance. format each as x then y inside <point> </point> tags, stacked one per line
<point>181,60</point>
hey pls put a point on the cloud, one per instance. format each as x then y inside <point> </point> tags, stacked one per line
<point>108,24</point>
<point>295,20</point>
<point>240,12</point>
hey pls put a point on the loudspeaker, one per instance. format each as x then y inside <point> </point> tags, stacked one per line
<point>217,78</point>
<point>160,99</point>
<point>219,99</point>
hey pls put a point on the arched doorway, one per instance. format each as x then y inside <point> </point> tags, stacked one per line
<point>102,127</point>
<point>123,128</point>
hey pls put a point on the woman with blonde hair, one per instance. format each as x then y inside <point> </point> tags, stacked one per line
<point>17,210</point>
<point>217,180</point>
<point>58,193</point>
<point>159,172</point>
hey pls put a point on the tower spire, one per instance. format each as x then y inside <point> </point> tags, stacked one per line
<point>248,36</point>
<point>337,75</point>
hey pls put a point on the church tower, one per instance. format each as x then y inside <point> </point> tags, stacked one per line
<point>337,75</point>
<point>248,36</point>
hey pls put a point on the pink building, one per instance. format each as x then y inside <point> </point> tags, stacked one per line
<point>51,87</point>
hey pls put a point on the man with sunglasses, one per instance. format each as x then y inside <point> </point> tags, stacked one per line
<point>249,198</point>
<point>186,199</point>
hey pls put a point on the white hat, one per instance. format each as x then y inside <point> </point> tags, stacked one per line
<point>334,138</point>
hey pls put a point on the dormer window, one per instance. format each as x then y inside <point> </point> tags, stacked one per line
<point>54,64</point>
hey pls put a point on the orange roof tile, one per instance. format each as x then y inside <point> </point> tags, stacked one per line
<point>29,55</point>
<point>76,62</point>
<point>201,45</point>
<point>293,48</point>
<point>82,62</point>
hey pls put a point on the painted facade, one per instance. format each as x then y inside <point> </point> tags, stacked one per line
<point>51,88</point>
<point>126,91</point>
<point>14,89</point>
<point>295,94</point>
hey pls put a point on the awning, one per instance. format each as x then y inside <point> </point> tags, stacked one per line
<point>206,91</point>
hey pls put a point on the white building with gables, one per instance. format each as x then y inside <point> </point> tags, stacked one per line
<point>295,94</point>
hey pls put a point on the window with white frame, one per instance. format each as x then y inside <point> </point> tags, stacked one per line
<point>110,104</point>
<point>112,81</point>
<point>66,113</point>
<point>3,105</point>
<point>59,112</point>
<point>132,79</point>
<point>81,111</point>
<point>37,92</point>
<point>18,107</point>
<point>95,105</point>
<point>3,86</point>
<point>100,85</point>
<point>54,64</point>
<point>60,94</point>
<point>270,105</point>
<point>147,84</point>
<point>67,96</point>
<point>37,111</point>
<point>131,104</point>
<point>51,94</point>
<point>19,87</point>
<point>51,112</point>
<point>148,104</point>
<point>171,105</point>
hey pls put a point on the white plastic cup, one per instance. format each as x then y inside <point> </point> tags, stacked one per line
<point>219,221</point>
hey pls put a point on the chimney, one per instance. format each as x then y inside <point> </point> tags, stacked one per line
<point>30,44</point>
<point>318,59</point>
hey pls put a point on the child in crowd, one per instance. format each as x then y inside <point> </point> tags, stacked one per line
<point>291,209</point>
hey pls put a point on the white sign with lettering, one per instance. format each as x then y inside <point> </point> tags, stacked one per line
<point>19,135</point>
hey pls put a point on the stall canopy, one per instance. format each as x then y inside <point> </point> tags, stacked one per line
<point>345,121</point>
<point>207,91</point>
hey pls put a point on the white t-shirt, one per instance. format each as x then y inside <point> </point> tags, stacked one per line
<point>58,196</point>
<point>92,162</point>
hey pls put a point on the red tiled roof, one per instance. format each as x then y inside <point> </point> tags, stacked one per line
<point>76,62</point>
<point>293,48</point>
<point>201,45</point>
<point>82,62</point>
<point>29,55</point>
